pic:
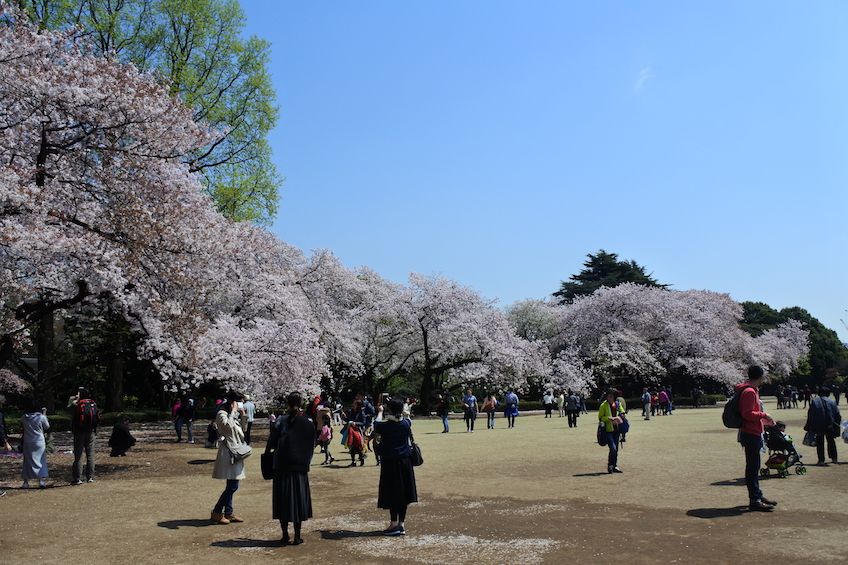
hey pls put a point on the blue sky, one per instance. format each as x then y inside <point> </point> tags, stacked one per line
<point>498,143</point>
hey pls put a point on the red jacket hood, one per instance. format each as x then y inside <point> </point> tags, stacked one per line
<point>740,387</point>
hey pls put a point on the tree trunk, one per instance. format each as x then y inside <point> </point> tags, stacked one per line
<point>46,349</point>
<point>115,376</point>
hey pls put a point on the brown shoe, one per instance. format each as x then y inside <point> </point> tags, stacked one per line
<point>219,518</point>
<point>233,518</point>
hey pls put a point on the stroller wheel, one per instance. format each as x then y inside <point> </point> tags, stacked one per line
<point>784,473</point>
<point>764,472</point>
<point>801,470</point>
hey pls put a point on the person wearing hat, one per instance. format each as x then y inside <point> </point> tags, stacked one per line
<point>227,467</point>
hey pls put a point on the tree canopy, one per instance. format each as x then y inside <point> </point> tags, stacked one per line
<point>603,269</point>
<point>196,47</point>
<point>826,350</point>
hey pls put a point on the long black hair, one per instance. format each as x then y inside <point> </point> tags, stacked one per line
<point>295,402</point>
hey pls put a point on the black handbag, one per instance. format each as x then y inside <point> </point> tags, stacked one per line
<point>266,461</point>
<point>602,436</point>
<point>415,456</point>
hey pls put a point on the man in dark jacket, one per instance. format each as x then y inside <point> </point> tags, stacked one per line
<point>823,417</point>
<point>84,429</point>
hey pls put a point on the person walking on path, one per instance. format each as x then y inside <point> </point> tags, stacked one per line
<point>610,415</point>
<point>250,412</point>
<point>177,414</point>
<point>751,436</point>
<point>664,402</point>
<point>823,419</point>
<point>442,411</point>
<point>548,404</point>
<point>292,439</point>
<point>35,425</point>
<point>189,411</point>
<point>511,410</point>
<point>469,404</point>
<point>572,409</point>
<point>561,404</point>
<point>490,404</point>
<point>646,403</point>
<point>227,467</point>
<point>397,488</point>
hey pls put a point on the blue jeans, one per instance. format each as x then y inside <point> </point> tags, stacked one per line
<point>752,444</point>
<point>178,427</point>
<point>612,443</point>
<point>225,502</point>
<point>445,422</point>
<point>491,418</point>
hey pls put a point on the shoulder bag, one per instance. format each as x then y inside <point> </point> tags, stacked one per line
<point>415,456</point>
<point>240,452</point>
<point>266,461</point>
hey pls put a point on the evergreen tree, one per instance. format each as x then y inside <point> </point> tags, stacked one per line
<point>603,269</point>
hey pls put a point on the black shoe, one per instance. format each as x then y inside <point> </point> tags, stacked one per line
<point>765,500</point>
<point>616,470</point>
<point>393,531</point>
<point>760,506</point>
<point>297,541</point>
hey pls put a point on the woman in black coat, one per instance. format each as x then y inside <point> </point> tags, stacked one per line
<point>397,478</point>
<point>292,439</point>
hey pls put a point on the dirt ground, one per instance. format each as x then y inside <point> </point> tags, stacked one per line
<point>536,494</point>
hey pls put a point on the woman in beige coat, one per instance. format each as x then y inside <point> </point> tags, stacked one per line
<point>227,420</point>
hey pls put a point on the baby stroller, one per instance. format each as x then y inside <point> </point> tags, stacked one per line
<point>782,454</point>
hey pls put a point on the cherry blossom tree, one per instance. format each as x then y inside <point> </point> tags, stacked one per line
<point>461,338</point>
<point>633,331</point>
<point>98,207</point>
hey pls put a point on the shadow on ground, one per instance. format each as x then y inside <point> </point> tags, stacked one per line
<point>246,542</point>
<point>177,524</point>
<point>344,534</point>
<point>710,513</point>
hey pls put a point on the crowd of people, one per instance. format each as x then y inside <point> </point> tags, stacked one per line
<point>291,444</point>
<point>386,431</point>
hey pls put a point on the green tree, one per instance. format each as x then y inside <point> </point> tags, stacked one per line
<point>197,47</point>
<point>603,269</point>
<point>826,351</point>
<point>758,317</point>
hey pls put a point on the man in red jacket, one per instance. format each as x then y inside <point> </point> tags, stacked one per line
<point>751,436</point>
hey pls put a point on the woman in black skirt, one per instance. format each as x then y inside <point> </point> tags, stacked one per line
<point>397,479</point>
<point>293,440</point>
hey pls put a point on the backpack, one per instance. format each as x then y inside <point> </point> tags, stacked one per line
<point>326,432</point>
<point>88,417</point>
<point>732,416</point>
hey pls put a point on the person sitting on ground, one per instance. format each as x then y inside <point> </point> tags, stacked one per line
<point>121,439</point>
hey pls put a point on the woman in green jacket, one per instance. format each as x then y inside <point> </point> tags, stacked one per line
<point>610,414</point>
